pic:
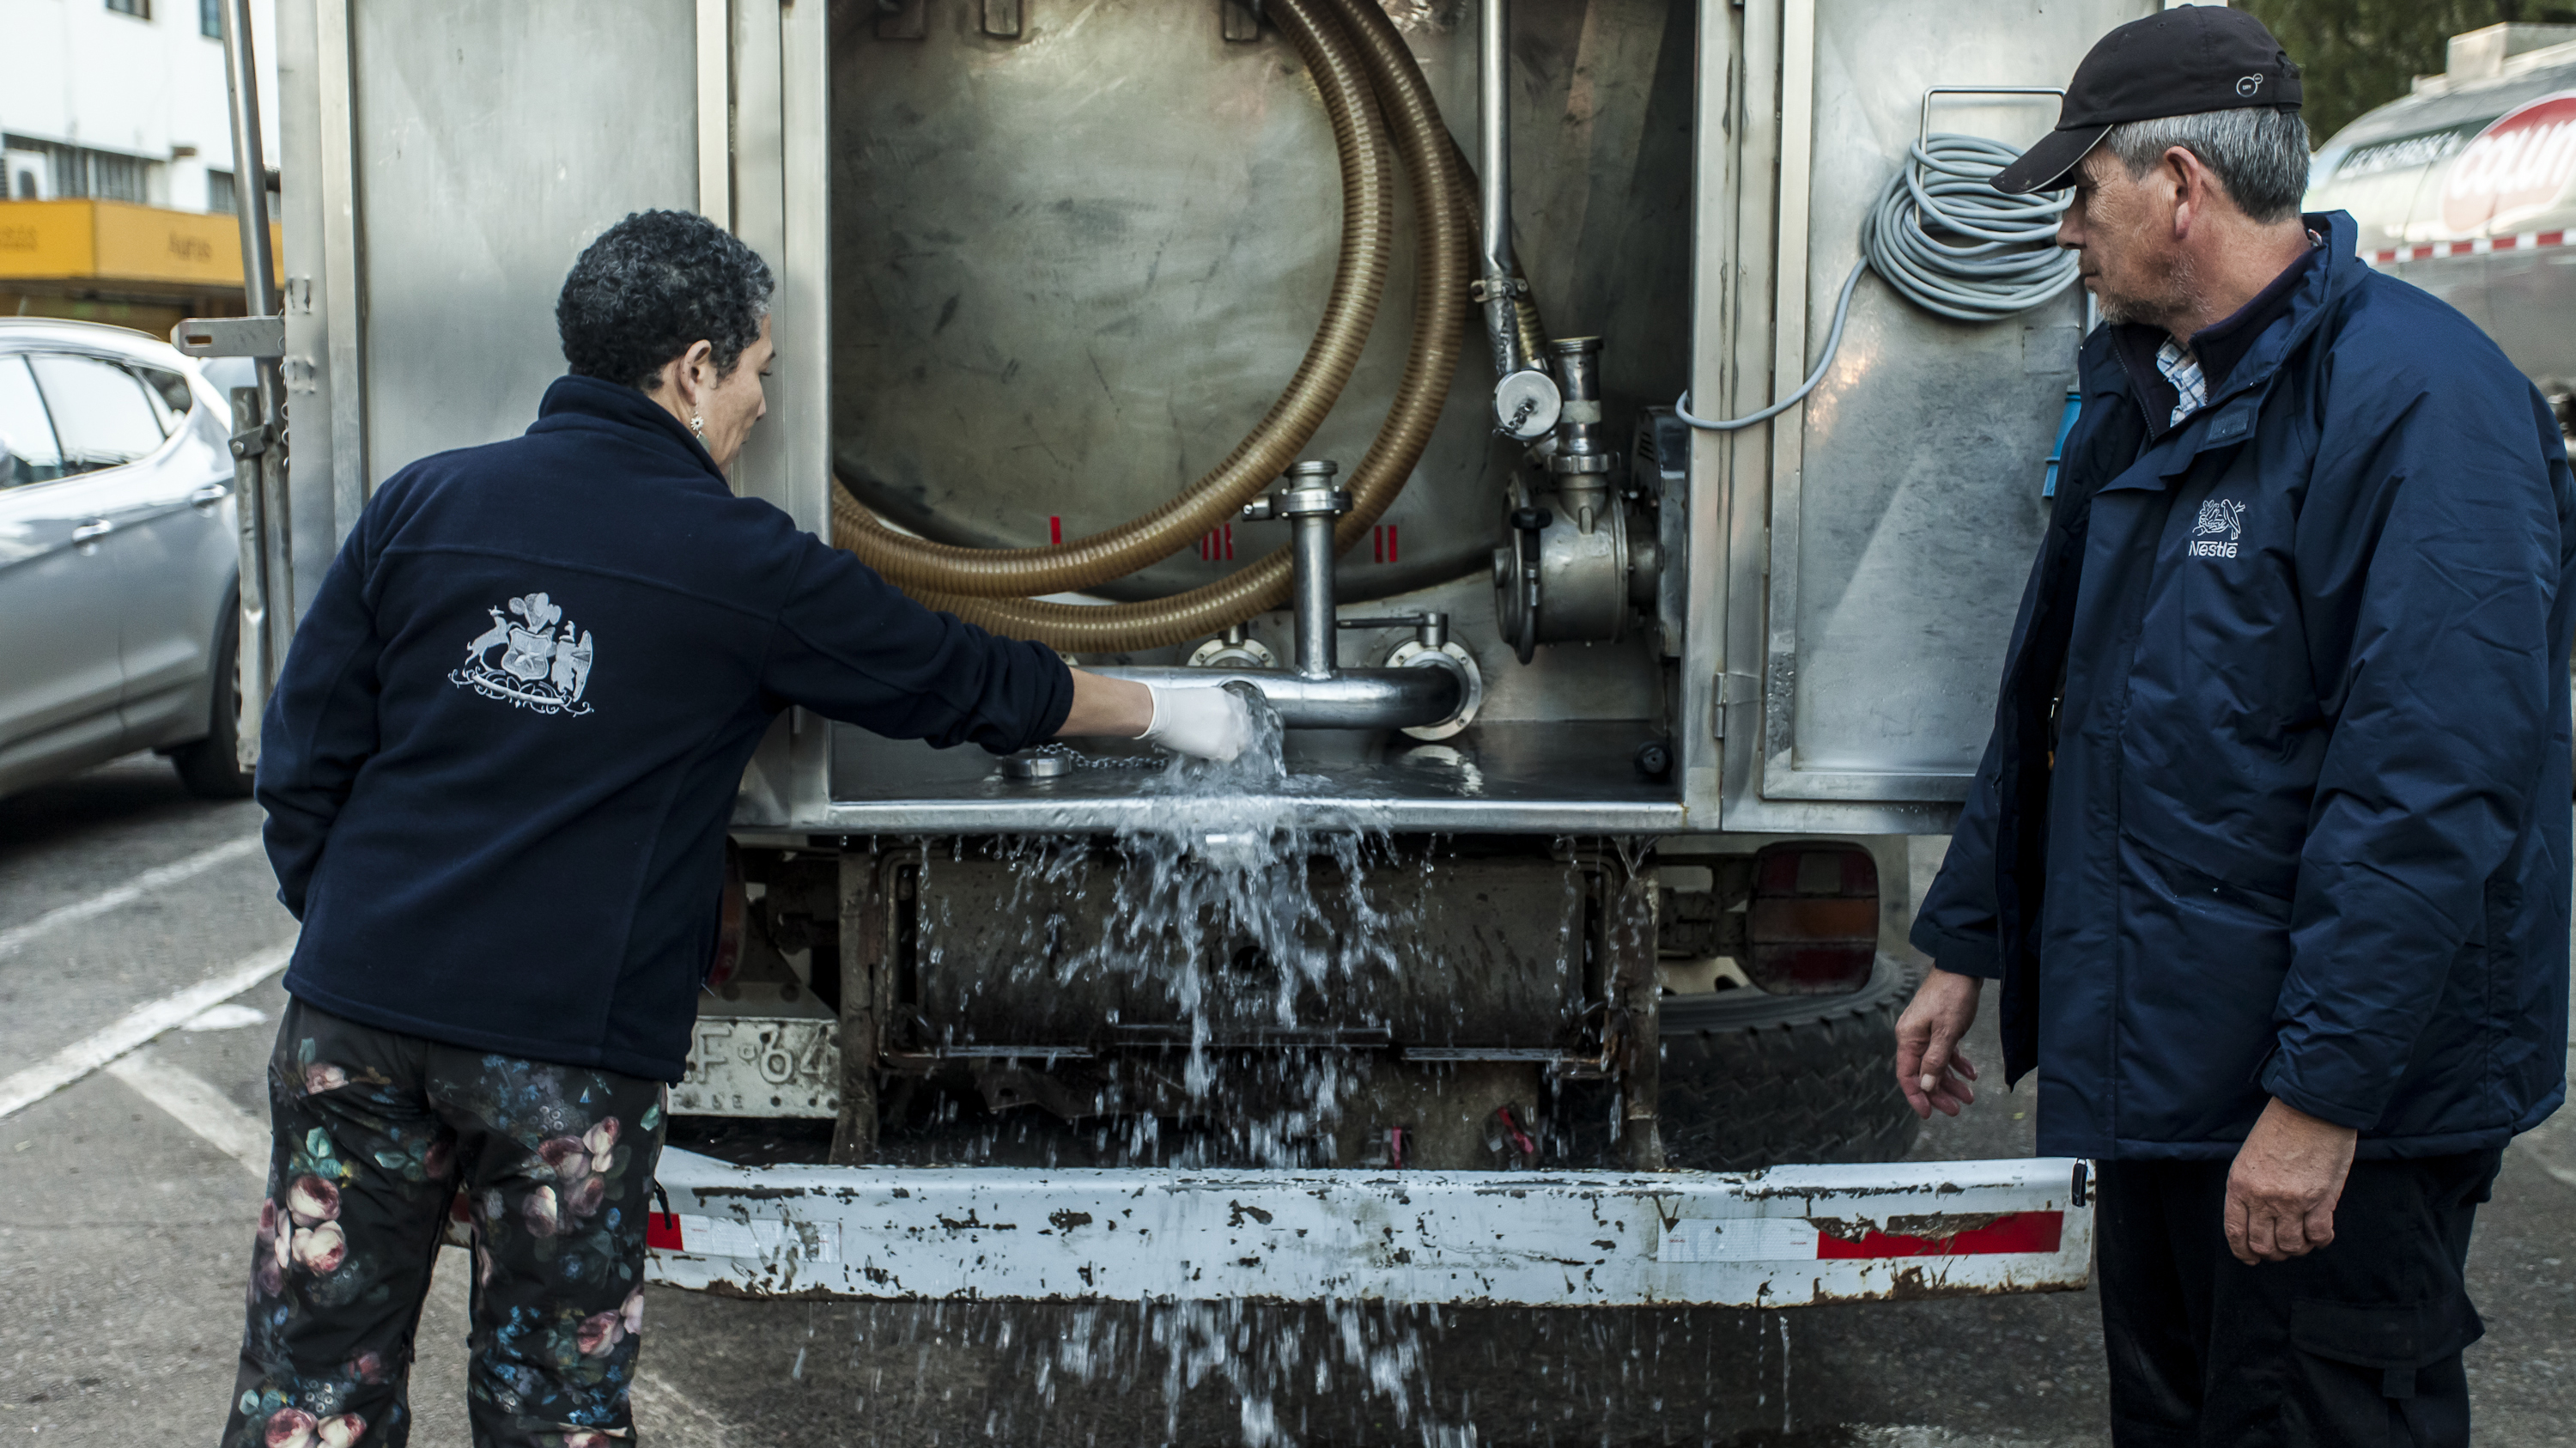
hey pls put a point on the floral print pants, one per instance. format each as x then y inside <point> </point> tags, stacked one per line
<point>380,1140</point>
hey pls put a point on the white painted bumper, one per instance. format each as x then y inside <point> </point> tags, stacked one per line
<point>1786,1237</point>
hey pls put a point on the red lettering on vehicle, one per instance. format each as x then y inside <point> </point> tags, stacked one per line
<point>2515,168</point>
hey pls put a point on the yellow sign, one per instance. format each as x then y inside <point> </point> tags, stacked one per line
<point>116,241</point>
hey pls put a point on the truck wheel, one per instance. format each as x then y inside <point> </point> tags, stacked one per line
<point>1752,1079</point>
<point>211,767</point>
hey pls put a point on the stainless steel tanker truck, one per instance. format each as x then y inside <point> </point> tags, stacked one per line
<point>1334,351</point>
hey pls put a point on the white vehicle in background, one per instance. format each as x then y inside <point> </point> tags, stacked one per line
<point>2463,189</point>
<point>118,558</point>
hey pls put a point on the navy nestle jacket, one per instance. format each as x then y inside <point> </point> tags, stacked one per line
<point>509,733</point>
<point>2307,830</point>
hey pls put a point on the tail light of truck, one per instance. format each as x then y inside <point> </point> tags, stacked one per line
<point>1811,927</point>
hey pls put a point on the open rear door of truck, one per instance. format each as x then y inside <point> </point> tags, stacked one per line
<point>1857,562</point>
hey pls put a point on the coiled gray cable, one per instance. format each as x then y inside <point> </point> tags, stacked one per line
<point>1950,243</point>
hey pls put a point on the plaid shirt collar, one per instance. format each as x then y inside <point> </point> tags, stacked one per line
<point>2226,340</point>
<point>2182,369</point>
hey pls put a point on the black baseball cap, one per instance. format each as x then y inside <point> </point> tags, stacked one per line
<point>2177,62</point>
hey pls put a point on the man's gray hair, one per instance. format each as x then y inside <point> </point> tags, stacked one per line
<point>2259,154</point>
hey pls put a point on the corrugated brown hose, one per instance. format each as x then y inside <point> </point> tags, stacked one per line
<point>1354,54</point>
<point>1350,309</point>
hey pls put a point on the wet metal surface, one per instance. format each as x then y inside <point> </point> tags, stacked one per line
<point>1791,1236</point>
<point>1518,776</point>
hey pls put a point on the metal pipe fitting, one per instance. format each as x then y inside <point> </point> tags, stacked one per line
<point>1309,503</point>
<point>1525,397</point>
<point>1401,698</point>
<point>1582,443</point>
<point>1430,628</point>
<point>1494,183</point>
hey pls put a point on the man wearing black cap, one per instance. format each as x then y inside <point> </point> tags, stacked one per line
<point>2269,850</point>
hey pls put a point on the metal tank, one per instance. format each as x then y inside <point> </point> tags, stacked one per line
<point>1071,271</point>
<point>1583,703</point>
<point>2463,189</point>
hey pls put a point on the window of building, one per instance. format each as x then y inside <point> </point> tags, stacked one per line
<point>139,9</point>
<point>118,178</point>
<point>223,192</point>
<point>78,171</point>
<point>210,19</point>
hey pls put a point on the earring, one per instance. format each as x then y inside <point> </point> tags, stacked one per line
<point>698,428</point>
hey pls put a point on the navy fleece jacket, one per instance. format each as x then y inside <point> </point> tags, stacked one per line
<point>499,763</point>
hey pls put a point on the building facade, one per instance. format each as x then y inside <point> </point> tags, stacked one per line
<point>122,100</point>
<point>116,159</point>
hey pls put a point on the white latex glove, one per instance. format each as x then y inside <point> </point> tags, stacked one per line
<point>1211,724</point>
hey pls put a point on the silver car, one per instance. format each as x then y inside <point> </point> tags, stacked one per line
<point>118,558</point>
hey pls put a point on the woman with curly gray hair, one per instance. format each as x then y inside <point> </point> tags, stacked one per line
<point>497,768</point>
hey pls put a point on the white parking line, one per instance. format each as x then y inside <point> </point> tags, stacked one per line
<point>198,1106</point>
<point>125,894</point>
<point>80,1058</point>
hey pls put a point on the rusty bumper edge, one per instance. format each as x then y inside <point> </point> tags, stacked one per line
<point>1790,1236</point>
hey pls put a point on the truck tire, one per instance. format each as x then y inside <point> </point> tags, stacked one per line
<point>211,767</point>
<point>1752,1079</point>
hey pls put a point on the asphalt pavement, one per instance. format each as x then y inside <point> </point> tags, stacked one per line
<point>128,1198</point>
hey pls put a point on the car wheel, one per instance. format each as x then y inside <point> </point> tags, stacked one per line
<point>211,767</point>
<point>1752,1079</point>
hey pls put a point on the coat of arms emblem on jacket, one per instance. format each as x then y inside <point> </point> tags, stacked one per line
<point>541,667</point>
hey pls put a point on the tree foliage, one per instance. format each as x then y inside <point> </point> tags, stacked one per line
<point>2357,54</point>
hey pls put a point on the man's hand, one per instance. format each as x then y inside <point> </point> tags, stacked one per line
<point>2281,1193</point>
<point>1929,1065</point>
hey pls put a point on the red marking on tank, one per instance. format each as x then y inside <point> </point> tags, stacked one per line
<point>1055,532</point>
<point>662,1232</point>
<point>1382,542</point>
<point>2019,1232</point>
<point>2519,241</point>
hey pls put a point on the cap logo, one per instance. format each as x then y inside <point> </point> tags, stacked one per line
<point>2249,86</point>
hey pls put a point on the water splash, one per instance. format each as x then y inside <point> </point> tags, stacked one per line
<point>1241,941</point>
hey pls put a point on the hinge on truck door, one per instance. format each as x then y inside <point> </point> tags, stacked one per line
<point>1730,688</point>
<point>251,442</point>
